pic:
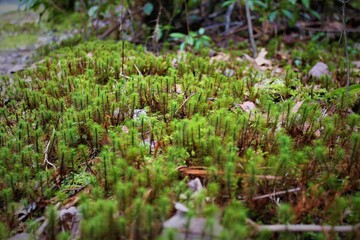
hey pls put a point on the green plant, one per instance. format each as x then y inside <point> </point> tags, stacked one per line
<point>195,40</point>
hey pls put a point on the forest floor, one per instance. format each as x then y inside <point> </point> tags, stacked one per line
<point>21,35</point>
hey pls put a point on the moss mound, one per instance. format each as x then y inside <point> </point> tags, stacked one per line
<point>89,128</point>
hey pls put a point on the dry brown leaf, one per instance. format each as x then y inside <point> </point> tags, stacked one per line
<point>220,57</point>
<point>260,63</point>
<point>247,106</point>
<point>261,60</point>
<point>178,88</point>
<point>229,72</point>
<point>125,129</point>
<point>247,57</point>
<point>320,69</point>
<point>356,63</point>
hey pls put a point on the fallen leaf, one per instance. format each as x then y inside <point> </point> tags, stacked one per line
<point>181,207</point>
<point>229,72</point>
<point>320,69</point>
<point>195,228</point>
<point>356,63</point>
<point>116,113</point>
<point>259,63</point>
<point>357,45</point>
<point>261,60</point>
<point>178,88</point>
<point>138,113</point>
<point>250,59</point>
<point>125,129</point>
<point>70,220</point>
<point>195,185</point>
<point>247,106</point>
<point>220,57</point>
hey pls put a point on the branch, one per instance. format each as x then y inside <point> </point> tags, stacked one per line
<point>46,151</point>
<point>274,194</point>
<point>228,19</point>
<point>183,103</point>
<point>346,49</point>
<point>304,227</point>
<point>251,34</point>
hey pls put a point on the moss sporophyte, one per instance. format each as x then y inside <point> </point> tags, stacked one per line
<point>78,123</point>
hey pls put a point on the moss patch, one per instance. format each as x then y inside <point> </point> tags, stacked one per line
<point>131,122</point>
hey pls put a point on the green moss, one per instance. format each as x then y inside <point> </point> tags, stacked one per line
<point>120,127</point>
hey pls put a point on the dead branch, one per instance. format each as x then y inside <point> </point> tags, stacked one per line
<point>251,34</point>
<point>183,103</point>
<point>46,152</point>
<point>275,194</point>
<point>303,227</point>
<point>345,45</point>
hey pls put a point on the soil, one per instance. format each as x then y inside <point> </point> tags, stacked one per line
<point>21,35</point>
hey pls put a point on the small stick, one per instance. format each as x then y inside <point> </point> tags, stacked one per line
<point>251,34</point>
<point>228,20</point>
<point>183,103</point>
<point>122,38</point>
<point>277,193</point>
<point>46,152</point>
<point>303,227</point>
<point>346,49</point>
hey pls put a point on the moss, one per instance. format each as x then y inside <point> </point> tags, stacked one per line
<point>120,127</point>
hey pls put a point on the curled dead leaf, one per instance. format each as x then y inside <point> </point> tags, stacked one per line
<point>320,69</point>
<point>247,106</point>
<point>178,88</point>
<point>125,129</point>
<point>261,60</point>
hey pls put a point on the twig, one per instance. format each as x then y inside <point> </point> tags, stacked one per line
<point>228,19</point>
<point>46,151</point>
<point>84,12</point>
<point>251,34</point>
<point>122,38</point>
<point>303,227</point>
<point>156,32</point>
<point>137,69</point>
<point>276,193</point>
<point>183,103</point>
<point>217,25</point>
<point>346,49</point>
<point>56,6</point>
<point>109,31</point>
<point>330,30</point>
<point>187,17</point>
